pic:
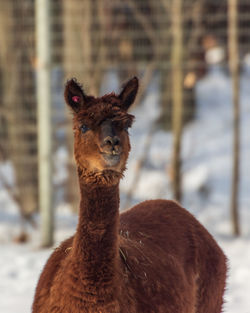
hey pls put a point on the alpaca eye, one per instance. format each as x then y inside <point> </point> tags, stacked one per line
<point>84,128</point>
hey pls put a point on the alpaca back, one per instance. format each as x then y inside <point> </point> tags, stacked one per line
<point>168,254</point>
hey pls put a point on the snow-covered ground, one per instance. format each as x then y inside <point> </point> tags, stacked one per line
<point>207,162</point>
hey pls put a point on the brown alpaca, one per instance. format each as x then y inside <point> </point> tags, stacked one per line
<point>153,258</point>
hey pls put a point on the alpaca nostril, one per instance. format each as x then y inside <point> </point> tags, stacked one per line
<point>116,141</point>
<point>108,141</point>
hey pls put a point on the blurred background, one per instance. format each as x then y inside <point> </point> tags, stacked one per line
<point>190,141</point>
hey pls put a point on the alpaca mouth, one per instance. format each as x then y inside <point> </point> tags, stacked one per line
<point>111,159</point>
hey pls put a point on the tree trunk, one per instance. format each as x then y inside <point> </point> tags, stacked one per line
<point>177,95</point>
<point>18,97</point>
<point>43,53</point>
<point>234,68</point>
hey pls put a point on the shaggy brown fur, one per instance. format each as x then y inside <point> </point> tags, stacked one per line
<point>154,258</point>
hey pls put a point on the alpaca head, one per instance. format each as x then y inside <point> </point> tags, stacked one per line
<point>101,141</point>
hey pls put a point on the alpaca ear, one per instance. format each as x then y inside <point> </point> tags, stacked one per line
<point>74,95</point>
<point>129,92</point>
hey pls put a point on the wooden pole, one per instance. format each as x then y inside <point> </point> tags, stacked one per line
<point>177,95</point>
<point>234,68</point>
<point>43,43</point>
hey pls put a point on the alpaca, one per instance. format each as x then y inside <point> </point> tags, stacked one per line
<point>154,258</point>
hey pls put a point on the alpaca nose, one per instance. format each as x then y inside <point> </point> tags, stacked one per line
<point>111,141</point>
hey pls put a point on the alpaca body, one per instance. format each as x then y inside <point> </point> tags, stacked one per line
<point>153,258</point>
<point>158,233</point>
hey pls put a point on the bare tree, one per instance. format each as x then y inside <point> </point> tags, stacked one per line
<point>177,92</point>
<point>18,98</point>
<point>234,68</point>
<point>193,57</point>
<point>43,53</point>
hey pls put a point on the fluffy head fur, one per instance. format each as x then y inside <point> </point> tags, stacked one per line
<point>96,161</point>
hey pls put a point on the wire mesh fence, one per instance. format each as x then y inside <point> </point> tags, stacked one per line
<point>89,39</point>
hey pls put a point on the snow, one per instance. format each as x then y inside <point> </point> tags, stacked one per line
<point>207,163</point>
<point>215,55</point>
<point>19,269</point>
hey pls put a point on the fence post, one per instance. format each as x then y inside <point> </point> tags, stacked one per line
<point>177,95</point>
<point>234,68</point>
<point>43,45</point>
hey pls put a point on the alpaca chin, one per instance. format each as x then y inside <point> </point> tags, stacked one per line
<point>111,160</point>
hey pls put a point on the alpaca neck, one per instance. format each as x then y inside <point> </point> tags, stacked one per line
<point>96,240</point>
